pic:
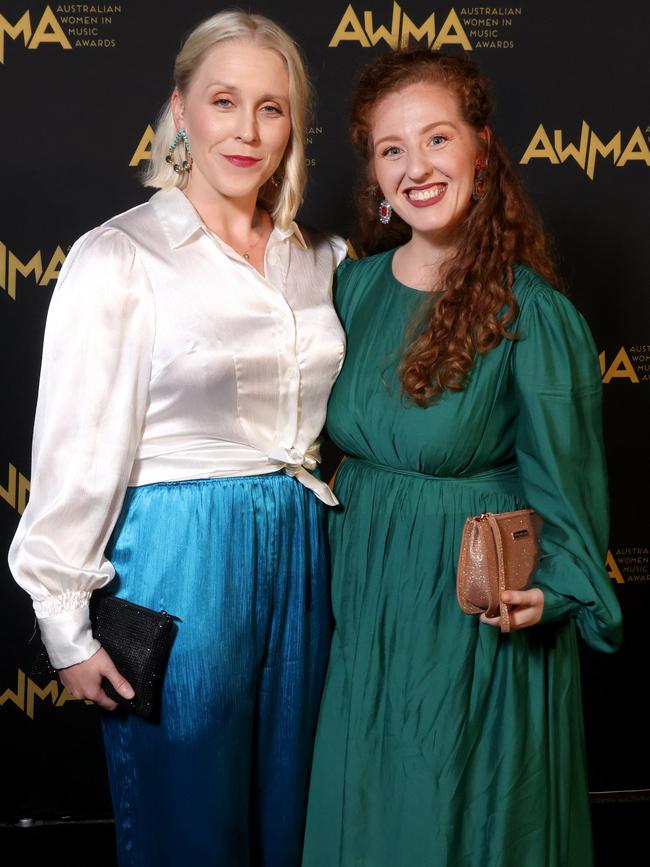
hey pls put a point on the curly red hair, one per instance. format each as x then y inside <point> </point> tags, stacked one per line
<point>499,231</point>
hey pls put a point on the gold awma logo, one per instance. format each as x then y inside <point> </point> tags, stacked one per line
<point>15,494</point>
<point>26,692</point>
<point>48,29</point>
<point>11,266</point>
<point>589,147</point>
<point>612,569</point>
<point>631,363</point>
<point>143,149</point>
<point>629,565</point>
<point>69,25</point>
<point>360,28</point>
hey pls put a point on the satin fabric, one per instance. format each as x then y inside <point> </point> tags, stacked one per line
<point>221,781</point>
<point>167,356</point>
<point>442,742</point>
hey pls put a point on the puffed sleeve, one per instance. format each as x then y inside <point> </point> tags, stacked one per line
<point>91,403</point>
<point>342,277</point>
<point>339,249</point>
<point>562,464</point>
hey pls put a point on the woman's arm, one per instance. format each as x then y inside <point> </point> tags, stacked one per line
<point>92,400</point>
<point>560,454</point>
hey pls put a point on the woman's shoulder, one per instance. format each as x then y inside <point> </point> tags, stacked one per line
<point>321,242</point>
<point>354,277</point>
<point>364,270</point>
<point>104,261</point>
<point>367,265</point>
<point>528,284</point>
<point>349,268</point>
<point>116,235</point>
<point>550,327</point>
<point>102,247</point>
<point>136,224</point>
<point>537,298</point>
<point>114,246</point>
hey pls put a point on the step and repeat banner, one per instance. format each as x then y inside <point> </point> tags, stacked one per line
<point>81,85</point>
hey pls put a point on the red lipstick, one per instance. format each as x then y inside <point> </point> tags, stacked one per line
<point>419,197</point>
<point>243,162</point>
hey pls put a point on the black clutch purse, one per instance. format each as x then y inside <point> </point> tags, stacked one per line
<point>138,640</point>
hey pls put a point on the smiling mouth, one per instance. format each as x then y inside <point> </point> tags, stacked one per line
<point>425,194</point>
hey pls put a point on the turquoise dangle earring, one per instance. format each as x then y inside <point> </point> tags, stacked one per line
<point>183,166</point>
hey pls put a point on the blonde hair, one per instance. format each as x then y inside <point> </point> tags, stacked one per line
<point>284,199</point>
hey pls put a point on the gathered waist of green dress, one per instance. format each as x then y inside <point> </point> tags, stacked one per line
<point>505,477</point>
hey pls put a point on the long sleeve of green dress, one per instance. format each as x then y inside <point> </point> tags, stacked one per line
<point>560,453</point>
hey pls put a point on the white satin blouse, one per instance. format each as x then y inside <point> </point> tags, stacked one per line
<point>167,356</point>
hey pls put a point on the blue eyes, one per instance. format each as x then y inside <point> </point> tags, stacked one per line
<point>225,103</point>
<point>395,150</point>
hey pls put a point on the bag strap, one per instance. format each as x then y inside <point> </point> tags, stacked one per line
<point>503,608</point>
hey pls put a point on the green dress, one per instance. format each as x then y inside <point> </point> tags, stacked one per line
<point>442,742</point>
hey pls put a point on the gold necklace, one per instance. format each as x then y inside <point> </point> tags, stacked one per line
<point>247,253</point>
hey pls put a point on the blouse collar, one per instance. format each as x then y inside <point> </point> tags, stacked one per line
<point>181,222</point>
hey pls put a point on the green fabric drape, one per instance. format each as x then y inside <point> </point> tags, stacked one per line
<point>442,742</point>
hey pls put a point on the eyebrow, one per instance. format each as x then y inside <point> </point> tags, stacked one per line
<point>424,130</point>
<point>232,88</point>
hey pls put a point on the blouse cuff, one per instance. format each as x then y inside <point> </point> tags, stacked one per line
<point>68,637</point>
<point>556,606</point>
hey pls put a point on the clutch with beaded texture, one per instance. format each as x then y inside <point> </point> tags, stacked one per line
<point>139,641</point>
<point>498,551</point>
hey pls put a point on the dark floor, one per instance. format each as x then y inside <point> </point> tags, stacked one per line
<point>619,836</point>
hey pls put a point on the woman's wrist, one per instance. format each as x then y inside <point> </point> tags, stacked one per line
<point>68,637</point>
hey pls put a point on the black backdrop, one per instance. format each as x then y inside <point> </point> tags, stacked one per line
<point>80,85</point>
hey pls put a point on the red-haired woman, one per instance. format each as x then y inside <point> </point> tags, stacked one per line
<point>470,385</point>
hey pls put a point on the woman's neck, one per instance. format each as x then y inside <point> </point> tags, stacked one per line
<point>240,223</point>
<point>227,217</point>
<point>418,262</point>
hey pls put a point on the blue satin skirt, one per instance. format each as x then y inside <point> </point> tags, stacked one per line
<point>221,780</point>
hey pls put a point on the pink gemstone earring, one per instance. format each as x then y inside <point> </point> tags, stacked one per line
<point>478,187</point>
<point>385,212</point>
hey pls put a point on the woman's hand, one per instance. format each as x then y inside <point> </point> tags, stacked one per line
<point>84,680</point>
<point>526,607</point>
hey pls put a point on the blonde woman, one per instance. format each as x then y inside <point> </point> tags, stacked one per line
<point>189,353</point>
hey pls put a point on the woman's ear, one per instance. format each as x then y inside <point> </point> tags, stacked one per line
<point>178,109</point>
<point>486,135</point>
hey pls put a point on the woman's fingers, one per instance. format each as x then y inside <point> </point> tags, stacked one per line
<point>491,621</point>
<point>86,688</point>
<point>84,680</point>
<point>119,683</point>
<point>526,607</point>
